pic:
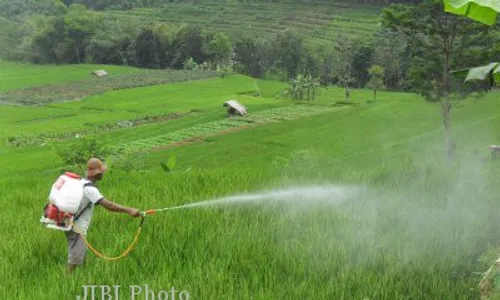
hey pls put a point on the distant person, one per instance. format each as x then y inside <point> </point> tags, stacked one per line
<point>91,197</point>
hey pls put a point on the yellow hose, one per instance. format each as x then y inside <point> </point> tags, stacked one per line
<point>125,253</point>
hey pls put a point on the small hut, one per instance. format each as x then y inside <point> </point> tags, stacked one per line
<point>234,107</point>
<point>495,150</point>
<point>99,73</point>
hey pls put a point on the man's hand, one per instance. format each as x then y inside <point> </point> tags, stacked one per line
<point>134,213</point>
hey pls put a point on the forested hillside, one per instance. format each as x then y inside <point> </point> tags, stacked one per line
<point>344,43</point>
<point>19,6</point>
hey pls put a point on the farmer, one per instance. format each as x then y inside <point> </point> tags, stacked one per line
<point>91,197</point>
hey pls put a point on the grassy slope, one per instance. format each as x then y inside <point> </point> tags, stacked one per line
<point>205,97</point>
<point>15,75</point>
<point>113,106</point>
<point>416,234</point>
<point>318,23</point>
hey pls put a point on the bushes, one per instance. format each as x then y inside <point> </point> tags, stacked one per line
<point>78,153</point>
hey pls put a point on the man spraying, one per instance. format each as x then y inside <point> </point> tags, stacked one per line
<point>91,197</point>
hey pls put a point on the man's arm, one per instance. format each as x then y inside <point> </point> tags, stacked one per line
<point>96,197</point>
<point>114,207</point>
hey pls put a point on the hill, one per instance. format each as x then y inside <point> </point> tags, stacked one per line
<point>319,23</point>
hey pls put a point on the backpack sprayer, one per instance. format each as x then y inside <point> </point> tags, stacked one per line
<point>64,201</point>
<point>62,210</point>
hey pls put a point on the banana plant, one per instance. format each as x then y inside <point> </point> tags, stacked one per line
<point>484,11</point>
<point>489,72</point>
<point>302,87</point>
<point>169,166</point>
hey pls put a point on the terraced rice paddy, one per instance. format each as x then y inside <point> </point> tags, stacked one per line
<point>318,23</point>
<point>234,123</point>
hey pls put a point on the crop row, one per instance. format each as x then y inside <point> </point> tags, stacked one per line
<point>233,18</point>
<point>201,130</point>
<point>43,138</point>
<point>80,89</point>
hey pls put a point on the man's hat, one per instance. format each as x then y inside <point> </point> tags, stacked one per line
<point>95,166</point>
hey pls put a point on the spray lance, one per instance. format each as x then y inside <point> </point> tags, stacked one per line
<point>154,211</point>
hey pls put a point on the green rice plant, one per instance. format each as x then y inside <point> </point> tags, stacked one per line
<point>417,229</point>
<point>79,89</point>
<point>201,130</point>
<point>17,75</point>
<point>43,138</point>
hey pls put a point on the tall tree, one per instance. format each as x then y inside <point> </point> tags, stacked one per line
<point>288,53</point>
<point>44,41</point>
<point>147,47</point>
<point>362,59</point>
<point>393,57</point>
<point>344,49</point>
<point>221,48</point>
<point>248,57</point>
<point>434,34</point>
<point>81,24</point>
<point>189,42</point>
<point>113,48</point>
<point>326,64</point>
<point>376,79</point>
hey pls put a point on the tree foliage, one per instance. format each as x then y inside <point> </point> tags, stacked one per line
<point>439,42</point>
<point>376,79</point>
<point>220,48</point>
<point>78,152</point>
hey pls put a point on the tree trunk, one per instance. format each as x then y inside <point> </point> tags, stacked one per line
<point>446,107</point>
<point>374,94</point>
<point>78,52</point>
<point>446,104</point>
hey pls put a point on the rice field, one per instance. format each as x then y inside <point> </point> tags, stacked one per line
<point>418,227</point>
<point>75,90</point>
<point>317,22</point>
<point>16,75</point>
<point>216,127</point>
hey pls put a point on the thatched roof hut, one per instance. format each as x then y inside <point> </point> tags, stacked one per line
<point>99,73</point>
<point>234,107</point>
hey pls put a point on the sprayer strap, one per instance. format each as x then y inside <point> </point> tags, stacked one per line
<point>88,205</point>
<point>83,210</point>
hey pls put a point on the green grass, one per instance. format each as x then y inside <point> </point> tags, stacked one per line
<point>15,75</point>
<point>225,125</point>
<point>167,98</point>
<point>76,90</point>
<point>114,106</point>
<point>318,23</point>
<point>417,230</point>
